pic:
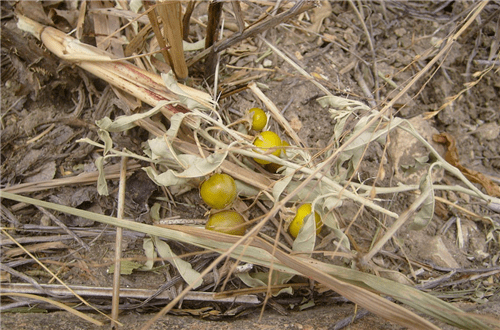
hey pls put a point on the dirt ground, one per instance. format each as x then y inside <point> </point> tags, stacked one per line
<point>48,104</point>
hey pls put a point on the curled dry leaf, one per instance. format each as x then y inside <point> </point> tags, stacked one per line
<point>452,157</point>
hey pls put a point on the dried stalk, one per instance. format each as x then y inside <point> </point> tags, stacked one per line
<point>106,292</point>
<point>142,84</point>
<point>118,243</point>
<point>171,16</point>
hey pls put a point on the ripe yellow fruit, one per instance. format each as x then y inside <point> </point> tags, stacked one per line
<point>218,191</point>
<point>302,212</point>
<point>227,222</point>
<point>259,118</point>
<point>267,142</point>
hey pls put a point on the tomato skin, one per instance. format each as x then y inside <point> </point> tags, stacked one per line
<point>267,140</point>
<point>302,212</point>
<point>218,191</point>
<point>259,119</point>
<point>225,222</point>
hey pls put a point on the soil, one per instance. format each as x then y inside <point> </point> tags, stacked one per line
<point>48,104</point>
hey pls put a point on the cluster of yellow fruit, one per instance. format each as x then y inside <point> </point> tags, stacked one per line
<point>219,191</point>
<point>268,142</point>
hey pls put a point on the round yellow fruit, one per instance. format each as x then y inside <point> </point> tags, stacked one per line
<point>218,191</point>
<point>302,212</point>
<point>268,142</point>
<point>227,222</point>
<point>259,118</point>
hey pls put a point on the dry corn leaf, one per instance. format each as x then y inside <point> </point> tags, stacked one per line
<point>354,285</point>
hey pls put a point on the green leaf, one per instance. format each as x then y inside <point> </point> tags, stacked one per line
<point>185,269</point>
<point>126,267</point>
<point>154,212</point>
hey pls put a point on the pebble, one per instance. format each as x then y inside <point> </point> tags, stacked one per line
<point>267,63</point>
<point>400,32</point>
<point>489,131</point>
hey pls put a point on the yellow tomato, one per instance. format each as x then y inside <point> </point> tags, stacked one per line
<point>259,118</point>
<point>268,142</point>
<point>218,191</point>
<point>227,222</point>
<point>302,212</point>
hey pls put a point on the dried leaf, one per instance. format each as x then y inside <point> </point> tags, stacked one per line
<point>188,100</point>
<point>124,123</point>
<point>195,167</point>
<point>280,185</point>
<point>426,212</point>
<point>166,179</point>
<point>185,269</point>
<point>189,47</point>
<point>354,151</point>
<point>306,239</point>
<point>452,157</point>
<point>159,149</point>
<point>108,143</point>
<point>150,252</point>
<point>250,281</point>
<point>261,279</point>
<point>175,124</point>
<point>102,185</point>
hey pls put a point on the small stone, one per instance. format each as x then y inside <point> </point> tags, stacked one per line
<point>436,251</point>
<point>267,63</point>
<point>400,32</point>
<point>489,131</point>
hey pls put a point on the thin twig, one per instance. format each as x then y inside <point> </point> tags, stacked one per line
<point>118,243</point>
